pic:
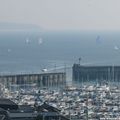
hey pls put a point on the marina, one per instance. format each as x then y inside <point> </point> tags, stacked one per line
<point>87,102</point>
<point>58,100</point>
<point>60,60</point>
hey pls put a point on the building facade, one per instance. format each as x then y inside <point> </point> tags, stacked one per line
<point>95,73</point>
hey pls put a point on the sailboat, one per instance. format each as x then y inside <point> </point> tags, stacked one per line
<point>40,41</point>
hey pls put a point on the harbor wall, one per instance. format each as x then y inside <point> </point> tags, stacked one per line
<point>95,73</point>
<point>40,80</point>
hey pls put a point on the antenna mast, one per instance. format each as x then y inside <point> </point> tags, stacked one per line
<point>80,60</point>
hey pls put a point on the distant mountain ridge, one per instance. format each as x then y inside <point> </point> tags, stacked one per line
<point>18,26</point>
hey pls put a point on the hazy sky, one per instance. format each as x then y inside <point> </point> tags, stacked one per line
<point>63,14</point>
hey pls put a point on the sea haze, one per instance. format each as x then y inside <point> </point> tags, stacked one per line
<point>33,51</point>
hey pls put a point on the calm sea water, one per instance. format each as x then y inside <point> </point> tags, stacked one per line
<point>31,51</point>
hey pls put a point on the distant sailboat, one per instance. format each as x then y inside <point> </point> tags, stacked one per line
<point>27,40</point>
<point>98,39</point>
<point>116,47</point>
<point>9,50</point>
<point>40,41</point>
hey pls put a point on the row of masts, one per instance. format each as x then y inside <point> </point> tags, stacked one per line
<point>109,73</point>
